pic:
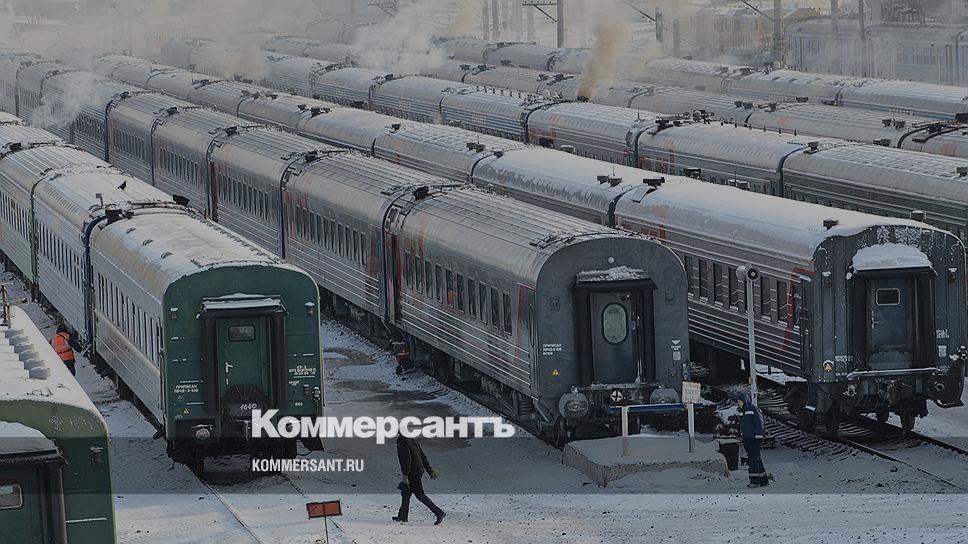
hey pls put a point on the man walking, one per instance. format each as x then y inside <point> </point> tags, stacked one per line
<point>752,432</point>
<point>61,342</point>
<point>413,462</point>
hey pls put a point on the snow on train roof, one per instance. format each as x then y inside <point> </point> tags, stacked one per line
<point>17,439</point>
<point>889,257</point>
<point>160,247</point>
<point>758,220</point>
<point>30,369</point>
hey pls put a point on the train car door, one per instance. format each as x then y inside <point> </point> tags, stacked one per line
<point>616,338</point>
<point>242,353</point>
<point>615,323</point>
<point>21,506</point>
<point>890,323</point>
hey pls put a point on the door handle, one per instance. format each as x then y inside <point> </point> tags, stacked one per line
<point>228,365</point>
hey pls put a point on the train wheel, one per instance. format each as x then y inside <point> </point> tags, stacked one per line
<point>197,465</point>
<point>907,421</point>
<point>833,421</point>
<point>559,433</point>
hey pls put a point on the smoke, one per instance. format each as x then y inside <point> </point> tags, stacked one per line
<point>60,113</point>
<point>403,43</point>
<point>611,34</point>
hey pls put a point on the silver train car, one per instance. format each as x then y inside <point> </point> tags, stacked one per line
<point>119,261</point>
<point>940,101</point>
<point>716,152</point>
<point>916,133</point>
<point>473,283</point>
<point>608,194</point>
<point>929,53</point>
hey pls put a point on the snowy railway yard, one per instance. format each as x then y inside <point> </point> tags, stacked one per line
<point>490,264</point>
<point>508,490</point>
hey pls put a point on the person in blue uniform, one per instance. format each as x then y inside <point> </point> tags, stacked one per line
<point>752,432</point>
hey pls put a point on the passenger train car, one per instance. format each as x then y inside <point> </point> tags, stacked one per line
<point>916,133</point>
<point>675,210</point>
<point>195,323</point>
<point>869,177</point>
<point>554,316</point>
<point>55,473</point>
<point>929,52</point>
<point>940,101</point>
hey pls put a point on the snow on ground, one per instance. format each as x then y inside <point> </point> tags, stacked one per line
<point>503,491</point>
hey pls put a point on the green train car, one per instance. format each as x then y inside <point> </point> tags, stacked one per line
<point>55,473</point>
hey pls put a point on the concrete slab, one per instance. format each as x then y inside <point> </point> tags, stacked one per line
<point>602,461</point>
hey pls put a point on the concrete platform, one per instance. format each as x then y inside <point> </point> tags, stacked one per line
<point>602,461</point>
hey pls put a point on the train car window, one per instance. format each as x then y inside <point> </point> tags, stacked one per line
<point>460,292</point>
<point>242,333</point>
<point>356,246</point>
<point>688,262</point>
<point>888,297</point>
<point>346,231</point>
<point>408,269</point>
<point>734,288</point>
<point>703,279</point>
<point>508,325</point>
<point>11,497</point>
<point>482,299</point>
<point>765,297</point>
<point>439,283</point>
<point>718,294</point>
<point>339,233</point>
<point>429,276</point>
<point>782,301</point>
<point>495,311</point>
<point>363,250</point>
<point>471,298</point>
<point>326,244</point>
<point>418,270</point>
<point>796,302</point>
<point>451,295</point>
<point>615,323</point>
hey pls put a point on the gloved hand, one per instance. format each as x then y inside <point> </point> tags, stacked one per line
<point>433,474</point>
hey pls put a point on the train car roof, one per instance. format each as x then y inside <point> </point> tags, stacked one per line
<point>30,369</point>
<point>797,227</point>
<point>158,248</point>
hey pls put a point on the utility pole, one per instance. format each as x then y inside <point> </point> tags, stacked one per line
<point>748,275</point>
<point>561,23</point>
<point>530,25</point>
<point>778,32</point>
<point>485,27</point>
<point>835,34</point>
<point>861,15</point>
<point>495,20</point>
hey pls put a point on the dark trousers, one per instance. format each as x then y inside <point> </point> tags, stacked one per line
<point>755,460</point>
<point>70,366</point>
<point>416,489</point>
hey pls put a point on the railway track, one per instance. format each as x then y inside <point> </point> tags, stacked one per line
<point>232,511</point>
<point>856,435</point>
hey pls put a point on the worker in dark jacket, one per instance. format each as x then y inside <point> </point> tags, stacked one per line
<point>413,463</point>
<point>752,432</point>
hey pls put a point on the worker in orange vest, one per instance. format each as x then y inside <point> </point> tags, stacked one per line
<point>61,343</point>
